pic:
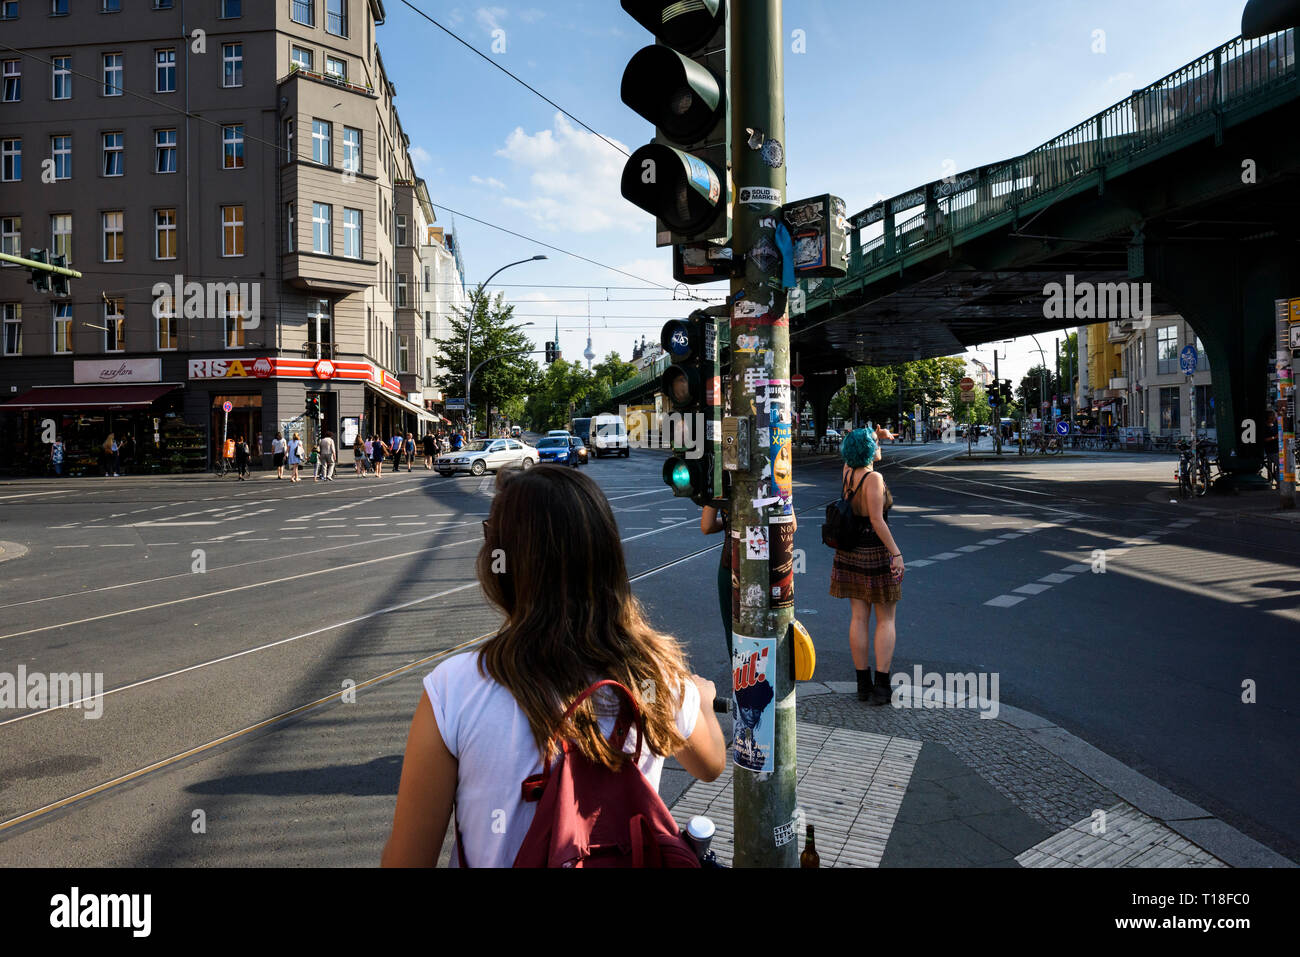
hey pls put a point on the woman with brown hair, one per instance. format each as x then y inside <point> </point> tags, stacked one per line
<point>552,562</point>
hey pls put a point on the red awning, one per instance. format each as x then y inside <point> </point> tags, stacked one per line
<point>88,397</point>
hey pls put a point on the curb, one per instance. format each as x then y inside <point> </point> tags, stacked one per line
<point>1190,820</point>
<point>10,550</point>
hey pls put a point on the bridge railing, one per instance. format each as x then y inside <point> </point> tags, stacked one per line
<point>1173,106</point>
<point>651,373</point>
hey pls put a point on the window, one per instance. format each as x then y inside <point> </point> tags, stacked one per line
<point>320,142</point>
<point>164,311</point>
<point>291,225</point>
<point>320,326</point>
<point>336,17</point>
<point>61,151</point>
<point>162,4</point>
<point>321,216</point>
<point>9,10</point>
<point>232,146</point>
<point>61,77</point>
<point>110,6</point>
<point>232,64</point>
<point>426,278</point>
<point>1202,362</point>
<point>303,11</point>
<point>58,8</point>
<point>1203,413</point>
<point>288,140</point>
<point>232,310</point>
<point>61,235</point>
<point>351,149</point>
<point>401,229</point>
<point>352,233</point>
<point>112,74</point>
<point>13,320</point>
<point>301,58</point>
<point>62,327</point>
<point>403,354</point>
<point>114,158</point>
<point>401,289</point>
<point>164,233</point>
<point>232,230</point>
<point>231,9</point>
<point>336,67</point>
<point>11,161</point>
<point>115,325</point>
<point>164,71</point>
<point>1166,350</point>
<point>164,151</point>
<point>13,80</point>
<point>11,238</point>
<point>428,326</point>
<point>1170,407</point>
<point>114,246</point>
<point>428,370</point>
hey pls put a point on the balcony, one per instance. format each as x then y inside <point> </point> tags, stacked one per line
<point>320,350</point>
<point>327,78</point>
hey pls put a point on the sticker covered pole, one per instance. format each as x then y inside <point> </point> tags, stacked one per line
<point>762,507</point>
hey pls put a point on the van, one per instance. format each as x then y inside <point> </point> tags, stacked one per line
<point>608,435</point>
<point>581,428</point>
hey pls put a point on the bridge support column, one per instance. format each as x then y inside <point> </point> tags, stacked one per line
<point>1226,290</point>
<point>818,392</point>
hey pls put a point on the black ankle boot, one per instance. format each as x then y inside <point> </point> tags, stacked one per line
<point>880,690</point>
<point>864,684</point>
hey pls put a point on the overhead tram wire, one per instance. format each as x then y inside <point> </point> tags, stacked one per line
<point>276,148</point>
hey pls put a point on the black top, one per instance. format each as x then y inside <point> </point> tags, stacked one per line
<point>869,536</point>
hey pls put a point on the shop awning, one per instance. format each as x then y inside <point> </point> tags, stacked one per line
<point>73,397</point>
<point>399,401</point>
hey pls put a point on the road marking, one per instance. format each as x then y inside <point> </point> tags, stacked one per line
<point>919,563</point>
<point>32,494</point>
<point>1004,601</point>
<point>71,546</point>
<point>1076,569</point>
<point>944,556</point>
<point>971,548</point>
<point>991,541</point>
<point>1056,578</point>
<point>1031,589</point>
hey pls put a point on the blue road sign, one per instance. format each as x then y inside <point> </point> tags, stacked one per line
<point>1062,428</point>
<point>1187,359</point>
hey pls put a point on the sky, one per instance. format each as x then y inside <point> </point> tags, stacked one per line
<point>886,97</point>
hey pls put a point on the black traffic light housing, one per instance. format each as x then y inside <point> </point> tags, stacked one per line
<point>313,407</point>
<point>1262,17</point>
<point>694,394</point>
<point>550,352</point>
<point>60,285</point>
<point>681,86</point>
<point>40,277</point>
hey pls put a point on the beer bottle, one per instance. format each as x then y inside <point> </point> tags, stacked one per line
<point>809,857</point>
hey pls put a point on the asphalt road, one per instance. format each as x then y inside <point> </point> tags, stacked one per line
<point>262,644</point>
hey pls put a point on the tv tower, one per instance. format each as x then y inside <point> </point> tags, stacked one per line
<point>590,353</point>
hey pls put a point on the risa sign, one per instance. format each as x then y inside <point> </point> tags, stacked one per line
<point>265,368</point>
<point>229,368</point>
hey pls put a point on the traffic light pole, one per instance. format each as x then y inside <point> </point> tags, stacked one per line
<point>764,800</point>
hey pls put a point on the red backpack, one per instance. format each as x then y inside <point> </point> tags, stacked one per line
<point>589,816</point>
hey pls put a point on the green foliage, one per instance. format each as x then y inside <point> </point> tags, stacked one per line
<point>924,381</point>
<point>565,385</point>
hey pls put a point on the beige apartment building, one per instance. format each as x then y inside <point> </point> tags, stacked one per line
<point>233,182</point>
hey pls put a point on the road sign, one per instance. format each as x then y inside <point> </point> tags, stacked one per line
<point>796,380</point>
<point>227,406</point>
<point>1062,428</point>
<point>967,384</point>
<point>1187,359</point>
<point>455,404</point>
<point>968,396</point>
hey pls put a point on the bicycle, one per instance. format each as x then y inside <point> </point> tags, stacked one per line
<point>1185,474</point>
<point>223,468</point>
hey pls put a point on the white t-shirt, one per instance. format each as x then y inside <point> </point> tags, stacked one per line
<point>277,445</point>
<point>488,734</point>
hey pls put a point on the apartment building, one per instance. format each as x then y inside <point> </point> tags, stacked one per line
<point>443,288</point>
<point>233,182</point>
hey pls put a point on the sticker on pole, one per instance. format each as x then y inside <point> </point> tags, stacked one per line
<point>752,659</point>
<point>760,195</point>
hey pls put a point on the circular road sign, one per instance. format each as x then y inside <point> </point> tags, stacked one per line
<point>1187,359</point>
<point>1062,428</point>
<point>967,384</point>
<point>227,406</point>
<point>796,380</point>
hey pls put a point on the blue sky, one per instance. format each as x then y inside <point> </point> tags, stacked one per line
<point>886,94</point>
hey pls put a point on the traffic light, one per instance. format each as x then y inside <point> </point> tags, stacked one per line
<point>1262,17</point>
<point>1004,389</point>
<point>313,407</point>
<point>692,388</point>
<point>550,352</point>
<point>60,285</point>
<point>40,277</point>
<point>680,85</point>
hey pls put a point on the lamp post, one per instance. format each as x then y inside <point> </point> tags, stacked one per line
<point>469,326</point>
<point>1042,384</point>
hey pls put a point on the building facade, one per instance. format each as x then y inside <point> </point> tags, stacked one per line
<point>232,180</point>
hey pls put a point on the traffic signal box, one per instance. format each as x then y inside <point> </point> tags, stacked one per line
<point>683,177</point>
<point>40,277</point>
<point>313,407</point>
<point>692,386</point>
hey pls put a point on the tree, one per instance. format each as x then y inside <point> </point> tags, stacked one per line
<point>559,388</point>
<point>509,373</point>
<point>1038,386</point>
<point>925,381</point>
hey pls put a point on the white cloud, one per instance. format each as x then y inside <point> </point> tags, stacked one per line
<point>490,17</point>
<point>1125,78</point>
<point>531,15</point>
<point>491,181</point>
<point>422,160</point>
<point>575,180</point>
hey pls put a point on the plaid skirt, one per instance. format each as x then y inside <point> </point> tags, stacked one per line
<point>864,573</point>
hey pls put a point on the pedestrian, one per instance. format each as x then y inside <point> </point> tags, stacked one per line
<point>115,447</point>
<point>241,458</point>
<point>870,575</point>
<point>378,450</point>
<point>485,717</point>
<point>56,456</point>
<point>110,455</point>
<point>294,455</point>
<point>408,450</point>
<point>328,455</point>
<point>359,455</point>
<point>395,448</point>
<point>430,449</point>
<point>457,441</point>
<point>277,453</point>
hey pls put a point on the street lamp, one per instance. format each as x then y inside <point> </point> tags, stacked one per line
<point>469,326</point>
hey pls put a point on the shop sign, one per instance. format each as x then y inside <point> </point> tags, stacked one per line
<point>219,369</point>
<point>324,369</point>
<point>116,370</point>
<point>262,368</point>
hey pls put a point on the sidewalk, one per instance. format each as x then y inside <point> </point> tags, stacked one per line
<point>939,786</point>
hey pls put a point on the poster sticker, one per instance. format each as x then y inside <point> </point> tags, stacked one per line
<point>781,564</point>
<point>756,542</point>
<point>782,463</point>
<point>760,195</point>
<point>755,702</point>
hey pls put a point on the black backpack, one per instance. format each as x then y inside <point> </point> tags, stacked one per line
<point>842,529</point>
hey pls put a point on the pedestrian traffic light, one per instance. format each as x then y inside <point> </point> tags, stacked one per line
<point>680,85</point>
<point>693,391</point>
<point>313,407</point>
<point>60,285</point>
<point>40,277</point>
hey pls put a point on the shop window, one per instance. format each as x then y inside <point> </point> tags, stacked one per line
<point>1170,409</point>
<point>62,327</point>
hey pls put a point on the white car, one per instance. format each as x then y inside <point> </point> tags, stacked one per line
<point>483,455</point>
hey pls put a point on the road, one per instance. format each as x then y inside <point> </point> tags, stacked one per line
<point>262,644</point>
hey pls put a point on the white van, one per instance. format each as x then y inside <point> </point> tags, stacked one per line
<point>608,435</point>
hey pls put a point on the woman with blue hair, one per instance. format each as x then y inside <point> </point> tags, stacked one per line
<point>870,575</point>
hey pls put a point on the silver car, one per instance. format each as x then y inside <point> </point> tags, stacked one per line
<point>483,455</point>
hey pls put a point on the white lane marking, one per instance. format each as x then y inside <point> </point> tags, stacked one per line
<point>971,548</point>
<point>991,541</point>
<point>1004,601</point>
<point>1031,589</point>
<point>944,556</point>
<point>71,546</point>
<point>1076,569</point>
<point>31,494</point>
<point>1056,578</point>
<point>919,563</point>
